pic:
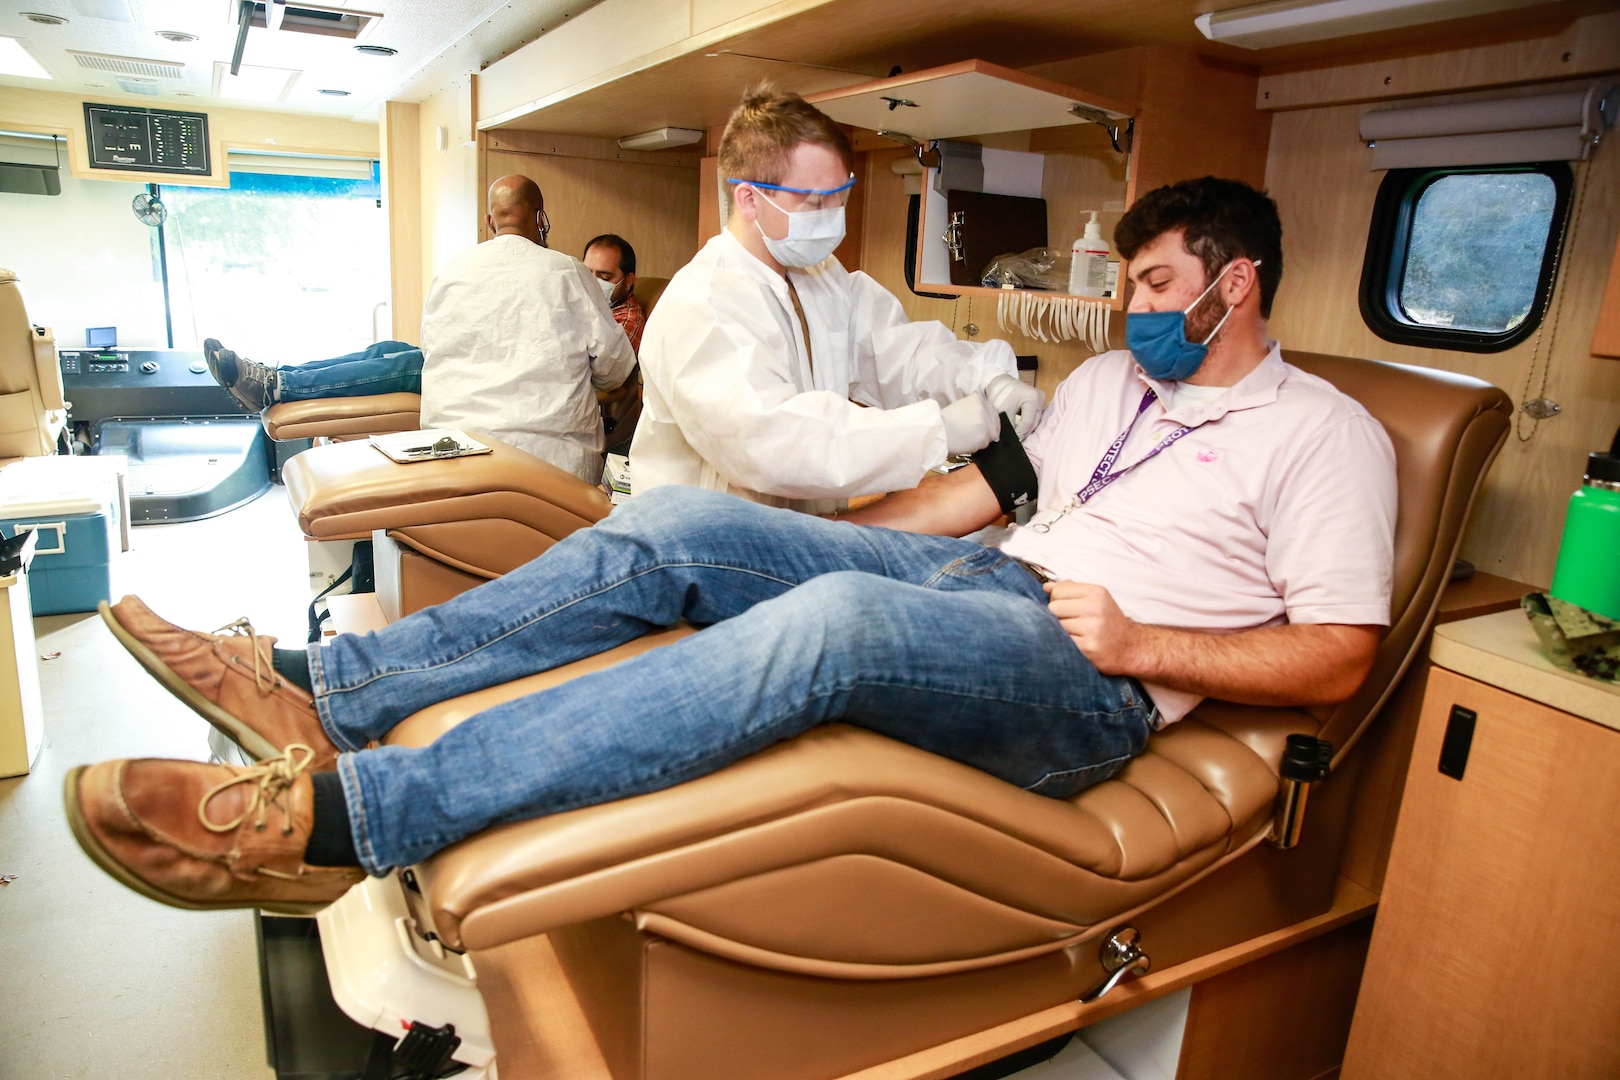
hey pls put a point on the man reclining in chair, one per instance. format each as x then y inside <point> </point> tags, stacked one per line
<point>1214,524</point>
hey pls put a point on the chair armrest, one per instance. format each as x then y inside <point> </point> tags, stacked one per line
<point>486,513</point>
<point>48,369</point>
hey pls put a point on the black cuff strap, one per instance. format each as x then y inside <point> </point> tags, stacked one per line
<point>1007,469</point>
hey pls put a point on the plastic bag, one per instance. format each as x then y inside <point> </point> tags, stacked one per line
<point>1037,268</point>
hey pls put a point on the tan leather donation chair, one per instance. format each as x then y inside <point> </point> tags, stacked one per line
<point>33,411</point>
<point>343,418</point>
<point>841,900</point>
<point>440,527</point>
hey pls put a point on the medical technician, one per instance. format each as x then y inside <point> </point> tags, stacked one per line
<point>774,373</point>
<point>515,337</point>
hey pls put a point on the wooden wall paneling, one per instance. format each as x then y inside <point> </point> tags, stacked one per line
<point>1490,956</point>
<point>1318,174</point>
<point>1606,339</point>
<point>708,200</point>
<point>1198,119</point>
<point>852,252</point>
<point>655,207</point>
<point>401,145</point>
<point>1195,116</point>
<point>481,141</point>
<point>1283,1017</point>
<point>1585,46</point>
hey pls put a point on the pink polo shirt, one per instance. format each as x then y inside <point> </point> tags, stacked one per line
<point>1278,506</point>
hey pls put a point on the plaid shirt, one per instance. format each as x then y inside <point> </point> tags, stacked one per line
<point>628,314</point>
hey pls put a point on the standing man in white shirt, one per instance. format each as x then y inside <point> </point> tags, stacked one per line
<point>517,338</point>
<point>774,373</point>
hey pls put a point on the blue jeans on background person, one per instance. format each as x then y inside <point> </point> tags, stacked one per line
<point>388,367</point>
<point>937,642</point>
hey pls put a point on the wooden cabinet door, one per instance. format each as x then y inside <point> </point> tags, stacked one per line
<point>1496,947</point>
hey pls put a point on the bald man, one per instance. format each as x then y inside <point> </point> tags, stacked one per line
<point>516,339</point>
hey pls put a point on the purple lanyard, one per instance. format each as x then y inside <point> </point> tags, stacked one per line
<point>1104,474</point>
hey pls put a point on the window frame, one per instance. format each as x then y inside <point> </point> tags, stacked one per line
<point>1388,239</point>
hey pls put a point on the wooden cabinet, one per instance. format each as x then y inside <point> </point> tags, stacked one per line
<point>1493,952</point>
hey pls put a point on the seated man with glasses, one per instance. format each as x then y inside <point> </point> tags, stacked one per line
<point>774,373</point>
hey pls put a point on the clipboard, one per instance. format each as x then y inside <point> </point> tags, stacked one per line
<point>431,444</point>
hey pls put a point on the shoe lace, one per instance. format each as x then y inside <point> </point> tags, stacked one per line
<point>270,779</point>
<point>264,673</point>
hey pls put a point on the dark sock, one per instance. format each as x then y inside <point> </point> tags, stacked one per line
<point>330,841</point>
<point>293,665</point>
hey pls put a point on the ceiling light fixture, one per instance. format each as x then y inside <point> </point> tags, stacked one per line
<point>43,19</point>
<point>1293,22</point>
<point>16,60</point>
<point>179,37</point>
<point>375,50</point>
<point>661,139</point>
<point>252,83</point>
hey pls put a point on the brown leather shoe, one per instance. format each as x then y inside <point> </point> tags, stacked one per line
<point>226,678</point>
<point>202,836</point>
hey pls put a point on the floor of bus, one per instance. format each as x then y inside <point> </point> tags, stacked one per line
<point>95,980</point>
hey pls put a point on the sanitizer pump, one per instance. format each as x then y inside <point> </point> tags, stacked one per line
<point>1088,270</point>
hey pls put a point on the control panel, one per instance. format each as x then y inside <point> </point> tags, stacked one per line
<point>124,383</point>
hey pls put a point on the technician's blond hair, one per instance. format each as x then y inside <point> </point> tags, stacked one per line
<point>764,129</point>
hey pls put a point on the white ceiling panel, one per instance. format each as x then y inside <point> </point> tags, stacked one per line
<point>438,43</point>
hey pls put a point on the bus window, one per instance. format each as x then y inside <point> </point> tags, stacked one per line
<point>1464,258</point>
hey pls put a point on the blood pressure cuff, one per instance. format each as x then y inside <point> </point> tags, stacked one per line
<point>1007,469</point>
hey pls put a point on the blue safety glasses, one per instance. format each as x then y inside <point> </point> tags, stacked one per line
<point>796,190</point>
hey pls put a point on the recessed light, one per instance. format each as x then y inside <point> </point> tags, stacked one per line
<point>334,93</point>
<point>178,36</point>
<point>375,50</point>
<point>43,19</point>
<point>16,60</point>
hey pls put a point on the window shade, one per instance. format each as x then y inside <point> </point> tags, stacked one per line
<point>1547,127</point>
<point>262,161</point>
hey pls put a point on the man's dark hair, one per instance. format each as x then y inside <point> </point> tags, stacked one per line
<point>1220,220</point>
<point>627,254</point>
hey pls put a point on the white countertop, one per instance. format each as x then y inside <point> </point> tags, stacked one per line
<point>1502,650</point>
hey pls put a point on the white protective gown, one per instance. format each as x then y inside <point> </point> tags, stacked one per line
<point>734,401</point>
<point>516,339</point>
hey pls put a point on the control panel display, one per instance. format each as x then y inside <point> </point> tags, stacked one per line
<point>146,140</point>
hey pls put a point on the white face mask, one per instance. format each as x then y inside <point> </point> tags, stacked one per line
<point>608,288</point>
<point>812,235</point>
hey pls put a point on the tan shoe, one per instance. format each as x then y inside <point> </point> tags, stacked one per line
<point>202,836</point>
<point>227,678</point>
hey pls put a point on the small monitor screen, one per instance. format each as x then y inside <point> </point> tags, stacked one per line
<point>101,337</point>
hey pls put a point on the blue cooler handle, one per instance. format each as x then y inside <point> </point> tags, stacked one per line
<point>60,527</point>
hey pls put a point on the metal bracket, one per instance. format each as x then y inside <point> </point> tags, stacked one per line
<point>953,235</point>
<point>1121,956</point>
<point>927,156</point>
<point>1120,129</point>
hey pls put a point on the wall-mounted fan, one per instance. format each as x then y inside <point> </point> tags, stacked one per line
<point>149,209</point>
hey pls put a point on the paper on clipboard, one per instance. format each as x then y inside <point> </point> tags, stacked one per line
<point>428,445</point>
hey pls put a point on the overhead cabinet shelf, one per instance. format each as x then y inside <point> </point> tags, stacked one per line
<point>1014,115</point>
<point>965,100</point>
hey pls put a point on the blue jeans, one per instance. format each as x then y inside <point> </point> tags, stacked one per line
<point>388,367</point>
<point>936,642</point>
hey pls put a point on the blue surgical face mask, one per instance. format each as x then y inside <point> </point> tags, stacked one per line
<point>1158,339</point>
<point>812,235</point>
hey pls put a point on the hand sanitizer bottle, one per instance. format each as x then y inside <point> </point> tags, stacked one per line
<point>1088,269</point>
